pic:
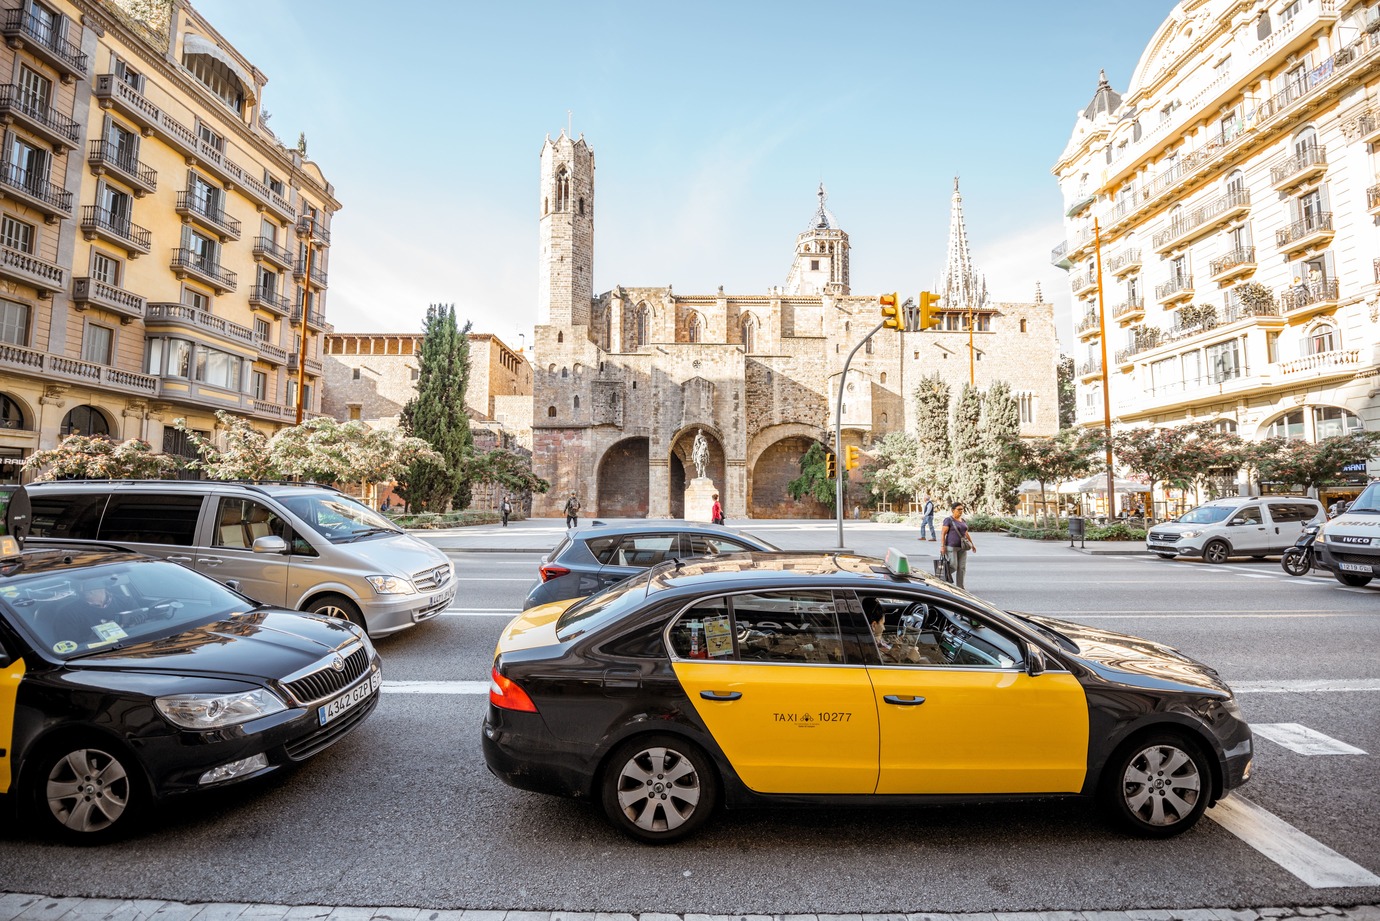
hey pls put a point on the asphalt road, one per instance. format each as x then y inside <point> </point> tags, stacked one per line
<point>403,812</point>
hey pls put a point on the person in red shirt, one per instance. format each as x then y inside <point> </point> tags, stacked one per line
<point>717,512</point>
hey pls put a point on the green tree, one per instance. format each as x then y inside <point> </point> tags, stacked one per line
<point>242,453</point>
<point>813,482</point>
<point>933,454</point>
<point>1068,392</point>
<point>1069,455</point>
<point>508,469</point>
<point>437,415</point>
<point>1001,441</point>
<point>892,472</point>
<point>1296,462</point>
<point>969,465</point>
<point>97,457</point>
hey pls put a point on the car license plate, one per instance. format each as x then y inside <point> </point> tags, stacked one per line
<point>360,692</point>
<point>1356,567</point>
<point>443,598</point>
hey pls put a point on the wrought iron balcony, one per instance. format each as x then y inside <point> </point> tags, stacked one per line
<point>315,318</point>
<point>105,157</point>
<point>1240,261</point>
<point>19,105</point>
<point>1124,263</point>
<point>311,365</point>
<point>1083,282</point>
<point>1089,325</point>
<point>1090,368</point>
<point>1133,308</point>
<point>22,29</point>
<point>1176,289</point>
<point>315,229</point>
<point>1307,164</point>
<point>1202,220</point>
<point>270,299</point>
<point>210,216</point>
<point>54,201</point>
<point>1310,297</point>
<point>88,292</point>
<point>1058,257</point>
<point>189,262</point>
<point>268,251</point>
<point>115,228</point>
<point>318,277</point>
<point>1310,231</point>
<point>29,270</point>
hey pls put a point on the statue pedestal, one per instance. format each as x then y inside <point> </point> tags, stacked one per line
<point>699,499</point>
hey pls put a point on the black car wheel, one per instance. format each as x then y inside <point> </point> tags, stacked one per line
<point>659,788</point>
<point>1296,562</point>
<point>87,791</point>
<point>1158,787</point>
<point>1216,551</point>
<point>337,606</point>
<point>1352,579</point>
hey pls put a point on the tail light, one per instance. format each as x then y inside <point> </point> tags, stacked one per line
<point>551,571</point>
<point>505,694</point>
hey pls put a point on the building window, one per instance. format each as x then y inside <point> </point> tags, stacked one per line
<point>208,136</point>
<point>560,337</point>
<point>11,414</point>
<point>550,412</point>
<point>16,235</point>
<point>354,374</point>
<point>1322,339</point>
<point>692,328</point>
<point>14,323</point>
<point>1262,26</point>
<point>577,404</point>
<point>883,379</point>
<point>562,190</point>
<point>263,330</point>
<point>275,185</point>
<point>1023,329</point>
<point>84,420</point>
<point>116,208</point>
<point>644,314</point>
<point>35,92</point>
<point>105,269</point>
<point>749,334</point>
<point>355,412</point>
<point>814,265</point>
<point>217,368</point>
<point>1331,421</point>
<point>196,299</point>
<point>1026,405</point>
<point>1290,11</point>
<point>306,395</point>
<point>27,166</point>
<point>97,344</point>
<point>129,76</point>
<point>1288,426</point>
<point>415,373</point>
<point>565,372</point>
<point>1224,360</point>
<point>258,385</point>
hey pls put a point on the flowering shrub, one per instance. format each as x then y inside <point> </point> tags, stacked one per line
<point>97,457</point>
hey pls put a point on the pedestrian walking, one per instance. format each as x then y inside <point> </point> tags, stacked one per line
<point>506,509</point>
<point>717,512</point>
<point>927,522</point>
<point>957,541</point>
<point>572,512</point>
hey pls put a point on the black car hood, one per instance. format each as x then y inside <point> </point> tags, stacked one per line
<point>262,643</point>
<point>1121,657</point>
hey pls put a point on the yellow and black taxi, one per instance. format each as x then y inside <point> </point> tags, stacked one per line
<point>763,678</point>
<point>126,680</point>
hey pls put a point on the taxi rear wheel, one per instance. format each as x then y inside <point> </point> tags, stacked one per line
<point>1159,786</point>
<point>659,788</point>
<point>337,606</point>
<point>87,791</point>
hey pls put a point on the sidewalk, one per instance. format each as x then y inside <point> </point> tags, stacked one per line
<point>20,907</point>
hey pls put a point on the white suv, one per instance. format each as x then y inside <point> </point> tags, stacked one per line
<point>1349,545</point>
<point>1237,526</point>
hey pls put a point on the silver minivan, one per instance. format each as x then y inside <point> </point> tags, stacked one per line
<point>1236,526</point>
<point>298,546</point>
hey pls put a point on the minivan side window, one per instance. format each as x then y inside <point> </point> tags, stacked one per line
<point>1250,514</point>
<point>151,518</point>
<point>240,522</point>
<point>1291,511</point>
<point>75,515</point>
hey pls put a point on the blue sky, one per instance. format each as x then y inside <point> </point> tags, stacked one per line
<point>712,124</point>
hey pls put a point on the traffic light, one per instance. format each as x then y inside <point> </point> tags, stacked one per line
<point>831,470</point>
<point>850,457</point>
<point>891,311</point>
<point>929,305</point>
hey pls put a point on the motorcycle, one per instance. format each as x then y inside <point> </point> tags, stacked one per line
<point>1298,559</point>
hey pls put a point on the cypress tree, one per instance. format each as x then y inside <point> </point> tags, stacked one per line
<point>1001,436</point>
<point>969,465</point>
<point>437,415</point>
<point>933,456</point>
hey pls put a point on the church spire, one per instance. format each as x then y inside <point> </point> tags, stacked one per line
<point>961,288</point>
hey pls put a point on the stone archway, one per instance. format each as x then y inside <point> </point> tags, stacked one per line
<point>623,490</point>
<point>683,468</point>
<point>775,467</point>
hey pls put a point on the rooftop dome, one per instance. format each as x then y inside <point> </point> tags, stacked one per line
<point>1105,101</point>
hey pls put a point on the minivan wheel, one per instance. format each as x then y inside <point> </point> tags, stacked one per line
<point>1159,786</point>
<point>337,606</point>
<point>659,788</point>
<point>1352,579</point>
<point>1216,551</point>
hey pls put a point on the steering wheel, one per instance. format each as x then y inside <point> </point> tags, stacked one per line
<point>929,618</point>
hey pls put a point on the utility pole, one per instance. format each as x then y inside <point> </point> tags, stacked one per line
<point>302,346</point>
<point>839,467</point>
<point>1106,389</point>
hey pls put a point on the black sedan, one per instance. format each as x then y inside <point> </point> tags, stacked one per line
<point>598,555</point>
<point>785,678</point>
<point>125,680</point>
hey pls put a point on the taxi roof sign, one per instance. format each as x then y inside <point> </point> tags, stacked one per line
<point>9,548</point>
<point>897,563</point>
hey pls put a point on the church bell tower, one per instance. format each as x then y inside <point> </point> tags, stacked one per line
<point>565,275</point>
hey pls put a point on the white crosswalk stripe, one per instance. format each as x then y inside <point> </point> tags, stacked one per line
<point>1310,860</point>
<point>1304,741</point>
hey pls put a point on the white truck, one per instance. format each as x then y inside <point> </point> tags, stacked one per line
<point>1349,545</point>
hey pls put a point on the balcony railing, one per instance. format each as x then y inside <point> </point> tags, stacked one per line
<point>30,270</point>
<point>315,318</point>
<point>1083,282</point>
<point>1134,306</point>
<point>106,157</point>
<point>186,315</point>
<point>54,201</point>
<point>264,248</point>
<point>23,27</point>
<point>311,365</point>
<point>1126,261</point>
<point>1222,208</point>
<point>315,229</point>
<point>1312,294</point>
<point>318,277</point>
<point>274,354</point>
<point>186,261</point>
<point>57,129</point>
<point>1059,255</point>
<point>88,292</point>
<point>1239,259</point>
<point>1337,359</point>
<point>1301,233</point>
<point>264,296</point>
<point>191,205</point>
<point>1090,367</point>
<point>59,367</point>
<point>1302,166</point>
<point>1175,289</point>
<point>1089,324</point>
<point>119,229</point>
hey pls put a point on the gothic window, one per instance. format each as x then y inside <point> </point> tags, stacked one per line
<point>560,337</point>
<point>749,334</point>
<point>577,403</point>
<point>644,317</point>
<point>562,190</point>
<point>550,412</point>
<point>692,328</point>
<point>883,380</point>
<point>565,372</point>
<point>582,206</point>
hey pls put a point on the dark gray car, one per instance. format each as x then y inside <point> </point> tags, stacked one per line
<point>598,555</point>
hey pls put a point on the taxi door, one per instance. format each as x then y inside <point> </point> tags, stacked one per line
<point>11,673</point>
<point>958,714</point>
<point>783,694</point>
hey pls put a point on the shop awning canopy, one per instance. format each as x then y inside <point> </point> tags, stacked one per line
<point>1098,484</point>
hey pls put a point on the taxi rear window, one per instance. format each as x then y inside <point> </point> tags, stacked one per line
<point>603,607</point>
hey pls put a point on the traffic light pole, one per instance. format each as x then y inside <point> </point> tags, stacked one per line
<point>840,470</point>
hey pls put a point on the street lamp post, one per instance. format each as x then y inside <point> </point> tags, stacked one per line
<point>1106,389</point>
<point>839,470</point>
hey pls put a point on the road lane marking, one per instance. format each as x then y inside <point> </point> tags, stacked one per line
<point>1257,575</point>
<point>495,578</point>
<point>1310,860</point>
<point>1299,738</point>
<point>1306,686</point>
<point>436,687</point>
<point>478,612</point>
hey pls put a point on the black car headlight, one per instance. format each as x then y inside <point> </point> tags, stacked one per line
<point>215,711</point>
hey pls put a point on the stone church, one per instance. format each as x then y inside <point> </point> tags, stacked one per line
<point>625,379</point>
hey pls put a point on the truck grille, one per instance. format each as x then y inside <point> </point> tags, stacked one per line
<point>428,580</point>
<point>1369,559</point>
<point>324,679</point>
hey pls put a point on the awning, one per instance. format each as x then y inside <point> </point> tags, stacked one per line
<point>195,44</point>
<point>1098,484</point>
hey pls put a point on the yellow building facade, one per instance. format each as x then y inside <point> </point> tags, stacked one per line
<point>162,252</point>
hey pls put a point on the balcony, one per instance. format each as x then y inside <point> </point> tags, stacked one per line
<point>37,192</point>
<point>1373,199</point>
<point>1324,364</point>
<point>1124,358</point>
<point>269,299</point>
<point>315,319</point>
<point>212,217</point>
<point>1090,369</point>
<point>273,354</point>
<point>24,30</point>
<point>1236,263</point>
<point>29,270</point>
<point>1219,211</point>
<point>318,277</point>
<point>1089,326</point>
<point>105,157</point>
<point>1304,300</point>
<point>312,365</point>
<point>189,262</point>
<point>306,227</point>
<point>115,228</point>
<point>1309,163</point>
<point>1125,263</point>
<point>88,292</point>
<point>1083,283</point>
<point>268,251</point>
<point>17,106</point>
<point>1175,290</point>
<point>1314,230</point>
<point>1133,309</point>
<point>59,368</point>
<point>113,93</point>
<point>183,316</point>
<point>1058,257</point>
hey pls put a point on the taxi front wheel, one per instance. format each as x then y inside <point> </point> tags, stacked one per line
<point>1158,787</point>
<point>659,788</point>
<point>86,791</point>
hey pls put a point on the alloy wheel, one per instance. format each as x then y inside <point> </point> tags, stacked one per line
<point>1161,785</point>
<point>88,790</point>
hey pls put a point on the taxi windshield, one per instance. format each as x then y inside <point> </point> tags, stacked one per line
<point>603,607</point>
<point>1205,514</point>
<point>338,518</point>
<point>73,612</point>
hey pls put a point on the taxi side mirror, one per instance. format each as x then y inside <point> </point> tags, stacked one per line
<point>271,543</point>
<point>1034,661</point>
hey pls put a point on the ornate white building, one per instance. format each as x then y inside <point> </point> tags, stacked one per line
<point>1234,190</point>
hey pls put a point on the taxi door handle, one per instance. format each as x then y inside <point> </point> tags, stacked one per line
<point>721,695</point>
<point>903,700</point>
